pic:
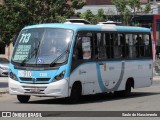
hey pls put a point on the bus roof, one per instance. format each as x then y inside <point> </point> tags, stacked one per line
<point>77,27</point>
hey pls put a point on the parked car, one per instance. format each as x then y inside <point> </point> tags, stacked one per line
<point>4,67</point>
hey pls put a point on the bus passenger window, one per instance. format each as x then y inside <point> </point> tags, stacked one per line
<point>86,48</point>
<point>124,46</point>
<point>147,46</point>
<point>117,47</point>
<point>109,45</point>
<point>101,46</point>
<point>132,48</point>
<point>138,41</point>
<point>127,45</point>
<point>139,46</point>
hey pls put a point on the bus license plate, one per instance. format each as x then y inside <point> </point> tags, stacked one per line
<point>35,91</point>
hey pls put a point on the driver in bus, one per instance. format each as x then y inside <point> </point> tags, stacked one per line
<point>53,50</point>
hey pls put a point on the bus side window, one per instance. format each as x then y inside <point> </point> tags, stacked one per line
<point>134,46</point>
<point>86,48</point>
<point>101,46</point>
<point>147,45</point>
<point>117,46</point>
<point>96,46</point>
<point>124,46</point>
<point>109,45</point>
<point>131,43</point>
<point>139,46</point>
<point>127,45</point>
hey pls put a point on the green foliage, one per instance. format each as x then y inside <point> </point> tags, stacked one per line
<point>100,15</point>
<point>128,9</point>
<point>134,4</point>
<point>147,8</point>
<point>88,15</point>
<point>126,16</point>
<point>122,9</point>
<point>120,5</point>
<point>77,4</point>
<point>15,14</point>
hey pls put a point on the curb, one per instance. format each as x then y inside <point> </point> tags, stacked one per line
<point>4,91</point>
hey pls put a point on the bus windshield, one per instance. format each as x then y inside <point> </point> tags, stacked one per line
<point>42,46</point>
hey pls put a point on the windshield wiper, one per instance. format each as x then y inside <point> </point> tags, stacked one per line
<point>58,58</point>
<point>34,53</point>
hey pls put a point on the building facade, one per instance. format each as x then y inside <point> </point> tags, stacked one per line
<point>108,2</point>
<point>154,1</point>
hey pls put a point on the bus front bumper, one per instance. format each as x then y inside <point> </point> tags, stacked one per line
<point>58,89</point>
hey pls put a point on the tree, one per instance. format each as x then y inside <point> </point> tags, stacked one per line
<point>15,14</point>
<point>129,8</point>
<point>135,5</point>
<point>122,9</point>
<point>147,8</point>
<point>100,15</point>
<point>88,15</point>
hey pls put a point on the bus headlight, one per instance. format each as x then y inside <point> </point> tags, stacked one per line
<point>12,76</point>
<point>60,76</point>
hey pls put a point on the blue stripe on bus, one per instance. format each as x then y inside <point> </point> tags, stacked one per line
<point>100,81</point>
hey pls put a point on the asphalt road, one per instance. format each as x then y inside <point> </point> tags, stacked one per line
<point>142,99</point>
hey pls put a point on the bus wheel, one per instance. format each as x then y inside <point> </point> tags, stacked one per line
<point>75,93</point>
<point>126,92</point>
<point>23,98</point>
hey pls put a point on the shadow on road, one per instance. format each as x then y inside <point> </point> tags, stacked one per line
<point>94,98</point>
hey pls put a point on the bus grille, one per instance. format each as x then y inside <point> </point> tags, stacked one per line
<point>37,79</point>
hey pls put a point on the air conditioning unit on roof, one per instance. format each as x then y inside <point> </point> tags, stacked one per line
<point>109,23</point>
<point>77,21</point>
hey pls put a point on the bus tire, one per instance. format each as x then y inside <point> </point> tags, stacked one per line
<point>126,92</point>
<point>23,98</point>
<point>75,93</point>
